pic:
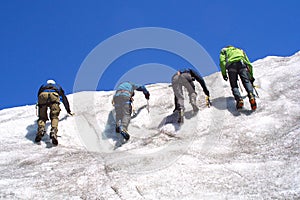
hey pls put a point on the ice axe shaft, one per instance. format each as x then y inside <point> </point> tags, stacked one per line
<point>254,87</point>
<point>208,102</point>
<point>36,109</point>
<point>148,109</point>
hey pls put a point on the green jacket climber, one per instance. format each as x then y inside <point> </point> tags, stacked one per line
<point>235,62</point>
<point>232,54</point>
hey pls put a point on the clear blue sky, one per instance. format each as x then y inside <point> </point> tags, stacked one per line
<point>51,38</point>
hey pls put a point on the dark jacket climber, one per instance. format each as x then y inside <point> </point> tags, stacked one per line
<point>185,78</point>
<point>122,102</point>
<point>49,96</point>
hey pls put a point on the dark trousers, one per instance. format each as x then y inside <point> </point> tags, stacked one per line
<point>123,110</point>
<point>239,69</point>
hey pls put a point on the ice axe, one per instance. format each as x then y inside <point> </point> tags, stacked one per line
<point>254,87</point>
<point>253,79</point>
<point>134,112</point>
<point>208,102</point>
<point>148,109</point>
<point>36,109</point>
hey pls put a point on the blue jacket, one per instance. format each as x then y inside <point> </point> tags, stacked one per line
<point>127,89</point>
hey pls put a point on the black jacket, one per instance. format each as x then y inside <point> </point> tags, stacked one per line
<point>196,76</point>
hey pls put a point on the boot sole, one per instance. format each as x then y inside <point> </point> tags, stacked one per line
<point>38,139</point>
<point>240,105</point>
<point>54,140</point>
<point>253,104</point>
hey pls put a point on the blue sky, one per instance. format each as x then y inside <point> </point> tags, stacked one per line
<point>51,39</point>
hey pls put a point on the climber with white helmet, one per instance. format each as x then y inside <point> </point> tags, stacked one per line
<point>49,96</point>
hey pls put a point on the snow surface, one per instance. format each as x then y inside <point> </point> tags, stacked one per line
<point>218,154</point>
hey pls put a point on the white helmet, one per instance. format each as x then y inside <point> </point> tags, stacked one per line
<point>51,82</point>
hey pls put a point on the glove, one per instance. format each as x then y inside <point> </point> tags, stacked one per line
<point>71,114</point>
<point>208,102</point>
<point>252,80</point>
<point>147,95</point>
<point>225,77</point>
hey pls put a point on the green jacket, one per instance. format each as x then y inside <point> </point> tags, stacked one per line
<point>232,54</point>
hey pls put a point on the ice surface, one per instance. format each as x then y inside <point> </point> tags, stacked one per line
<point>218,154</point>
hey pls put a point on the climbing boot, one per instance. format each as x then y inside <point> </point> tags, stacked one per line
<point>39,135</point>
<point>252,101</point>
<point>125,134</point>
<point>53,136</point>
<point>239,104</point>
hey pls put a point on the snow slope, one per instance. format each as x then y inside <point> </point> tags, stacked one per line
<point>218,154</point>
